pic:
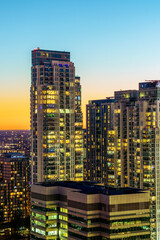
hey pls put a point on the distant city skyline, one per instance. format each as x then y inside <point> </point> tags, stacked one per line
<point>114,45</point>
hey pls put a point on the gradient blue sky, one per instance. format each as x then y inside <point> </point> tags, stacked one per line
<point>114,44</point>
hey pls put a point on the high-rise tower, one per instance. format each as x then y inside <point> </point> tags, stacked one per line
<point>56,118</point>
<point>100,141</point>
<point>128,150</point>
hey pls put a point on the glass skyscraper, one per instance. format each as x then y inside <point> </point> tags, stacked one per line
<point>56,118</point>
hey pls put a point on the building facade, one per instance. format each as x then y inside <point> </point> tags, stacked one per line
<point>84,154</point>
<point>14,187</point>
<point>83,210</point>
<point>56,118</point>
<point>100,141</point>
<point>124,137</point>
<point>135,145</point>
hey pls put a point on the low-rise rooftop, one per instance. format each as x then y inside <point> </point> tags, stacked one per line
<point>91,187</point>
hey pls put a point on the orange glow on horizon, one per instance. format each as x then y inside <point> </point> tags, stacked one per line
<point>15,109</point>
<point>15,113</point>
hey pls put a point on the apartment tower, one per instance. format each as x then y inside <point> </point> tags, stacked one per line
<point>132,143</point>
<point>56,118</point>
<point>99,166</point>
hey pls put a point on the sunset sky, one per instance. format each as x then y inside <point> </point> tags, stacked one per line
<point>114,44</point>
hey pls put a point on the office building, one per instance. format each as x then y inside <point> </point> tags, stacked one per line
<point>84,210</point>
<point>56,118</point>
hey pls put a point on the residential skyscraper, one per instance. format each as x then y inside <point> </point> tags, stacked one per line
<point>147,147</point>
<point>100,141</point>
<point>124,138</point>
<point>137,129</point>
<point>135,144</point>
<point>78,130</point>
<point>56,118</point>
